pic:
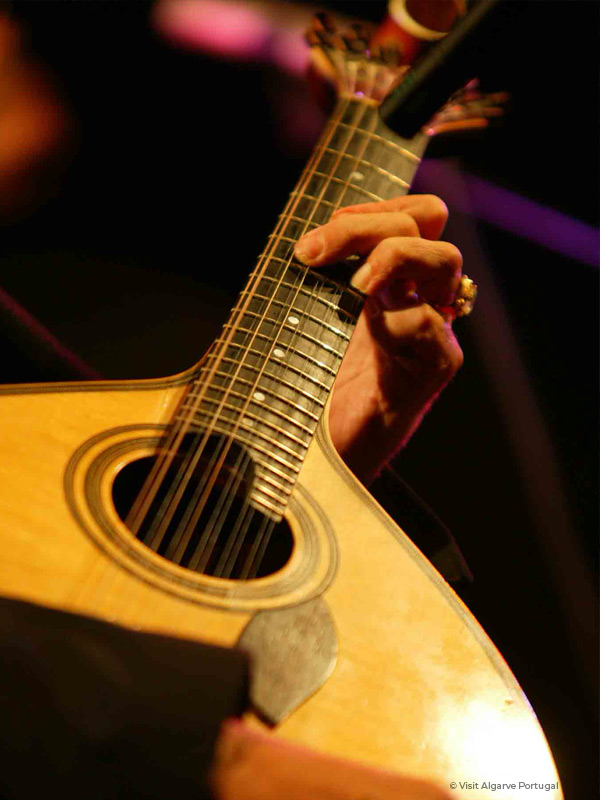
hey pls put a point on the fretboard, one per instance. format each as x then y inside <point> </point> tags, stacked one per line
<point>266,380</point>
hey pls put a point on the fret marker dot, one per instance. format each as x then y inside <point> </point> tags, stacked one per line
<point>357,176</point>
<point>293,320</point>
<point>259,396</point>
<point>247,423</point>
<point>278,353</point>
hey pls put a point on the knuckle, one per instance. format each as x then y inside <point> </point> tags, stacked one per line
<point>437,209</point>
<point>453,256</point>
<point>388,250</point>
<point>410,226</point>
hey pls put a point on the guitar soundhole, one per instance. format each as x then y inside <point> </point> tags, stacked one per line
<point>194,510</point>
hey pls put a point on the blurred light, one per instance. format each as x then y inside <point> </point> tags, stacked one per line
<point>261,31</point>
<point>514,213</point>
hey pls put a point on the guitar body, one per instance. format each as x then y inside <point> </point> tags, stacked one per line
<point>359,648</point>
<point>417,686</point>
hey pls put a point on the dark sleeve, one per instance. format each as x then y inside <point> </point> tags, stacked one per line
<point>88,709</point>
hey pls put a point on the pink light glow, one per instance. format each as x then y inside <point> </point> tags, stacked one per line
<point>237,30</point>
<point>288,50</point>
<point>230,29</point>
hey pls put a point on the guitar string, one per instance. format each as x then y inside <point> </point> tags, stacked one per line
<point>330,316</point>
<point>234,542</point>
<point>345,186</point>
<point>227,488</point>
<point>227,494</point>
<point>314,299</point>
<point>170,447</point>
<point>237,533</point>
<point>311,305</point>
<point>186,534</point>
<point>157,478</point>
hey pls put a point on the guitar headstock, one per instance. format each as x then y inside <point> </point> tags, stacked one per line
<point>344,53</point>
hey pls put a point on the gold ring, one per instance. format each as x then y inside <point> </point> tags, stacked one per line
<point>465,297</point>
<point>463,303</point>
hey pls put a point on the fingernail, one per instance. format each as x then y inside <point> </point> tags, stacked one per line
<point>362,277</point>
<point>309,247</point>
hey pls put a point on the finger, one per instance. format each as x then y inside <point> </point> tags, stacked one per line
<point>420,339</point>
<point>431,269</point>
<point>429,212</point>
<point>348,235</point>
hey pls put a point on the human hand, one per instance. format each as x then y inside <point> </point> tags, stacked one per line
<point>254,766</point>
<point>403,351</point>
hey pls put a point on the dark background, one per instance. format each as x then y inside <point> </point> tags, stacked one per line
<point>181,165</point>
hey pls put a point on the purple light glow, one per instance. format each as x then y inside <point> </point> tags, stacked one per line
<point>512,212</point>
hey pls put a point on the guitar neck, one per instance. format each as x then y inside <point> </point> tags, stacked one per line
<point>266,380</point>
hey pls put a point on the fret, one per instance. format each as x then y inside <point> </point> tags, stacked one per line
<point>353,112</point>
<point>264,465</point>
<point>387,142</point>
<point>282,248</point>
<point>326,283</point>
<point>294,227</point>
<point>250,434</point>
<point>373,176</point>
<point>285,327</point>
<point>267,379</point>
<point>268,492</point>
<point>242,436</point>
<point>262,421</point>
<point>334,189</point>
<point>293,218</point>
<point>285,365</point>
<point>341,182</point>
<point>313,296</point>
<point>234,393</point>
<point>276,380</point>
<point>275,412</point>
<point>235,424</point>
<point>281,238</point>
<point>293,310</point>
<point>269,506</point>
<point>361,162</point>
<point>319,200</point>
<point>315,362</point>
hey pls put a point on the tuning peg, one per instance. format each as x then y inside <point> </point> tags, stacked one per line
<point>362,31</point>
<point>317,38</point>
<point>320,32</point>
<point>326,22</point>
<point>476,112</point>
<point>355,45</point>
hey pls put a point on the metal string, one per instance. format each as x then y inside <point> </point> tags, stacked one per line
<point>230,553</point>
<point>141,507</point>
<point>237,529</point>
